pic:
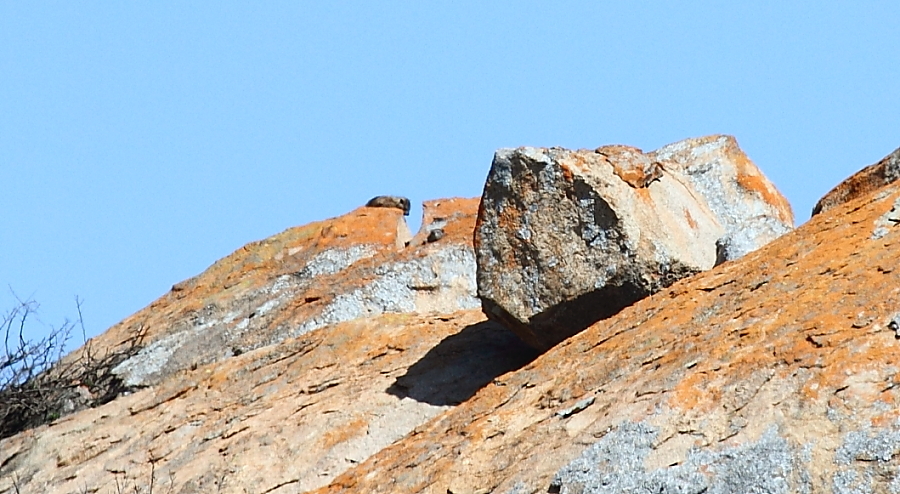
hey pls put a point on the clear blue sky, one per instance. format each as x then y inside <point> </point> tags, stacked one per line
<point>139,143</point>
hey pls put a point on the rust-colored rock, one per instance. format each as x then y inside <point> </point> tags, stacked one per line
<point>862,183</point>
<point>631,165</point>
<point>318,346</point>
<point>774,373</point>
<point>305,278</point>
<point>293,414</point>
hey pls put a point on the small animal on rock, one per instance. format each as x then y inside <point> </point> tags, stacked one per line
<point>397,202</point>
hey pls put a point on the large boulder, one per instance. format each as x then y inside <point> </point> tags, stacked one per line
<point>565,238</point>
<point>862,183</point>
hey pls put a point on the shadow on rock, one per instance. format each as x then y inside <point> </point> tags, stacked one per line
<point>461,364</point>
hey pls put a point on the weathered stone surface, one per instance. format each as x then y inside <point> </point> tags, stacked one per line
<point>862,183</point>
<point>340,269</point>
<point>774,373</point>
<point>298,281</point>
<point>293,414</point>
<point>318,346</point>
<point>744,201</point>
<point>565,238</point>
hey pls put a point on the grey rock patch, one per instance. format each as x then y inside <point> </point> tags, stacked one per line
<point>741,241</point>
<point>150,361</point>
<point>885,222</point>
<point>749,221</point>
<point>218,325</point>
<point>334,261</point>
<point>879,445</point>
<point>615,464</point>
<point>851,482</point>
<point>221,328</point>
<point>443,280</point>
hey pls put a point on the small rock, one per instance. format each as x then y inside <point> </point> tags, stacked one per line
<point>396,202</point>
<point>435,235</point>
<point>578,407</point>
<point>894,325</point>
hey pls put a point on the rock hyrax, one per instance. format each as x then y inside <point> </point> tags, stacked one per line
<point>396,202</point>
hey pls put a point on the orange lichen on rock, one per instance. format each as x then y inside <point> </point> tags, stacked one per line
<point>295,413</point>
<point>454,217</point>
<point>751,179</point>
<point>862,183</point>
<point>631,165</point>
<point>255,264</point>
<point>778,368</point>
<point>799,336</point>
<point>289,284</point>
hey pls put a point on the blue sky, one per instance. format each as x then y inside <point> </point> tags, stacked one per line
<point>141,143</point>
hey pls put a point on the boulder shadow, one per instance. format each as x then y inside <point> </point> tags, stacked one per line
<point>462,363</point>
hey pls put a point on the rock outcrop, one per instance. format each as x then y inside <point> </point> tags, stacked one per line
<point>862,183</point>
<point>229,368</point>
<point>776,373</point>
<point>566,238</point>
<point>283,418</point>
<point>300,280</point>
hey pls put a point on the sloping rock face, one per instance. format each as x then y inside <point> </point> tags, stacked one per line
<point>300,280</point>
<point>862,183</point>
<point>284,418</point>
<point>565,238</point>
<point>318,346</point>
<point>776,373</point>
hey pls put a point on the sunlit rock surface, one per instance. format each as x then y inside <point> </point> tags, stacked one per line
<point>566,238</point>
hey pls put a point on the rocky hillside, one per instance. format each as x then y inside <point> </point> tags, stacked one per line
<point>348,356</point>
